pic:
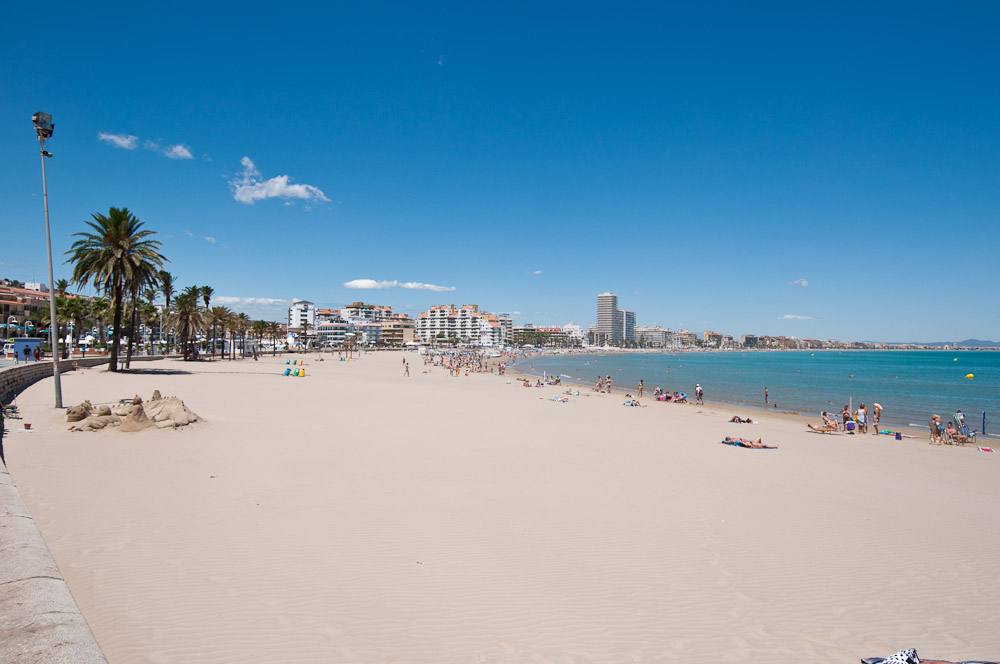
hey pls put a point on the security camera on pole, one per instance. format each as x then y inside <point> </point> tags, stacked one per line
<point>44,128</point>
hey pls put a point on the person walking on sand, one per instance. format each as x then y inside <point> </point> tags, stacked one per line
<point>640,388</point>
<point>406,367</point>
<point>699,394</point>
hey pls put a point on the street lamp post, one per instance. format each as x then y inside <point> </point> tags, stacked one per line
<point>44,128</point>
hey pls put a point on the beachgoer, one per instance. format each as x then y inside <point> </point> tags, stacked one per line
<point>765,395</point>
<point>845,415</point>
<point>746,442</point>
<point>699,394</point>
<point>862,416</point>
<point>641,387</point>
<point>607,383</point>
<point>955,435</point>
<point>936,429</point>
<point>876,416</point>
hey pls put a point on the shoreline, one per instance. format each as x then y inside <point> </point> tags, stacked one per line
<point>756,412</point>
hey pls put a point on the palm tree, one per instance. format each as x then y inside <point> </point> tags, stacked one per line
<point>206,294</point>
<point>244,325</point>
<point>187,319</point>
<point>218,317</point>
<point>259,328</point>
<point>76,311</point>
<point>144,278</point>
<point>97,310</point>
<point>61,286</point>
<point>110,258</point>
<point>148,313</point>
<point>274,329</point>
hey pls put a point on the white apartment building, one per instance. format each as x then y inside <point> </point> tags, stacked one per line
<point>301,312</point>
<point>464,324</point>
<point>375,313</point>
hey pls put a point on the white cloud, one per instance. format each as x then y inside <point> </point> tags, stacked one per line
<point>796,317</point>
<point>249,188</point>
<point>801,281</point>
<point>123,141</point>
<point>235,300</point>
<point>537,272</point>
<point>210,239</point>
<point>178,152</point>
<point>369,284</point>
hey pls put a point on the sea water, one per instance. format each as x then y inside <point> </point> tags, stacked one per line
<point>910,385</point>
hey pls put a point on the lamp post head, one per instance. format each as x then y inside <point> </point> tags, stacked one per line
<point>43,125</point>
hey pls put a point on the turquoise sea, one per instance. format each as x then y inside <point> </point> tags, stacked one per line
<point>910,385</point>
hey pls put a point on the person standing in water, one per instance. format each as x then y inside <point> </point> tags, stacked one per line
<point>765,395</point>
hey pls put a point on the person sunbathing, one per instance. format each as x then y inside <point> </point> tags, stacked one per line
<point>822,428</point>
<point>955,436</point>
<point>746,442</point>
<point>736,419</point>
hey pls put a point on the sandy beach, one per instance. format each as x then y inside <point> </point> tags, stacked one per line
<point>355,515</point>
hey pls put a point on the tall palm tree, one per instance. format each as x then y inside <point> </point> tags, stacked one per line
<point>206,294</point>
<point>218,317</point>
<point>97,310</point>
<point>166,286</point>
<point>274,329</point>
<point>143,278</point>
<point>76,310</point>
<point>187,318</point>
<point>110,257</point>
<point>244,325</point>
<point>259,328</point>
<point>61,286</point>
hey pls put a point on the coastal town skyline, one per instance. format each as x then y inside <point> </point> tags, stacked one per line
<point>530,173</point>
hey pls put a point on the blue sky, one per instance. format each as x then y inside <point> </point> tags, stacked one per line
<point>777,168</point>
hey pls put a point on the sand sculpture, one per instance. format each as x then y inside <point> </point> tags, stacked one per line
<point>137,415</point>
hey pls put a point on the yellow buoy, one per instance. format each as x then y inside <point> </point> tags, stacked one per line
<point>970,376</point>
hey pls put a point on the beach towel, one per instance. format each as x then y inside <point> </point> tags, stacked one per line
<point>909,656</point>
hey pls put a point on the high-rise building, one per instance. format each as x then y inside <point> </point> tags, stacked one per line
<point>628,325</point>
<point>614,325</point>
<point>609,318</point>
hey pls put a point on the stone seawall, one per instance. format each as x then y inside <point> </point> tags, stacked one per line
<point>16,379</point>
<point>39,620</point>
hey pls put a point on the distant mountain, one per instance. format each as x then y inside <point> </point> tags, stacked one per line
<point>968,343</point>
